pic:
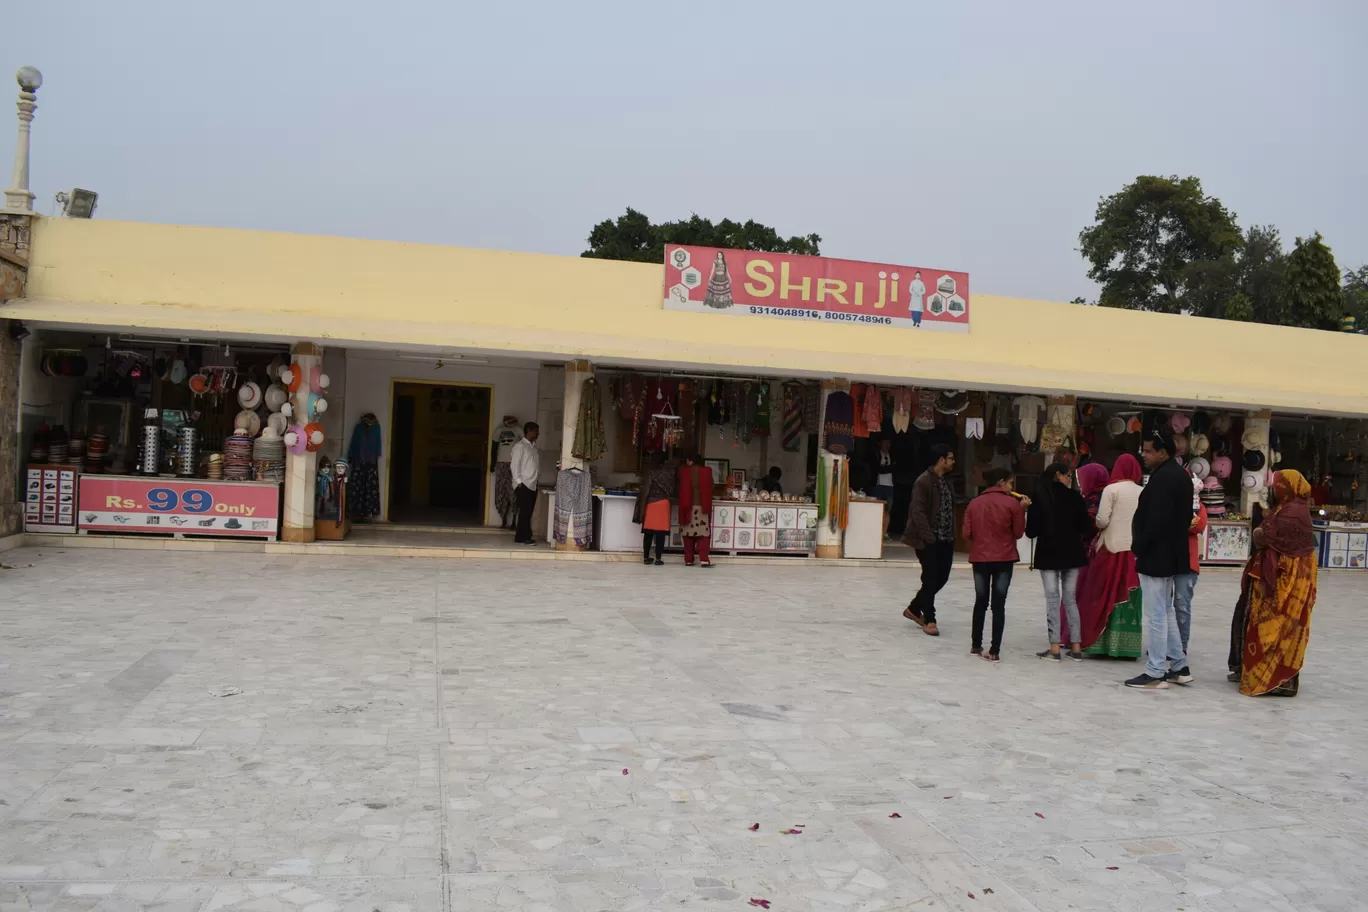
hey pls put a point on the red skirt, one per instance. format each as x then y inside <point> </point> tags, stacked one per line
<point>657,517</point>
<point>1106,582</point>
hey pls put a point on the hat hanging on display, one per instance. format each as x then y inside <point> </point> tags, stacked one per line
<point>314,405</point>
<point>276,397</point>
<point>248,422</point>
<point>1116,425</point>
<point>177,375</point>
<point>1222,466</point>
<point>1221,424</point>
<point>1254,439</point>
<point>1199,467</point>
<point>292,376</point>
<point>1201,422</point>
<point>249,395</point>
<point>313,436</point>
<point>1250,480</point>
<point>1199,444</point>
<point>1274,457</point>
<point>287,409</point>
<point>1180,422</point>
<point>278,424</point>
<point>296,441</point>
<point>1134,425</point>
<point>952,403</point>
<point>1180,445</point>
<point>1211,483</point>
<point>199,384</point>
<point>318,381</point>
<point>1253,460</point>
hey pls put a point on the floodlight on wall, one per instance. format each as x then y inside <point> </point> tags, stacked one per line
<point>78,203</point>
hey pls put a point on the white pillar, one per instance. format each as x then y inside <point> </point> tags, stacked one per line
<point>1259,422</point>
<point>301,469</point>
<point>829,543</point>
<point>576,372</point>
<point>18,198</point>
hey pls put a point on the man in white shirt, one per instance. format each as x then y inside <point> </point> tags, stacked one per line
<point>917,296</point>
<point>526,465</point>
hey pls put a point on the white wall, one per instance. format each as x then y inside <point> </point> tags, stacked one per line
<point>368,389</point>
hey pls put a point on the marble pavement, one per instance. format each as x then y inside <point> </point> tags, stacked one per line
<point>424,735</point>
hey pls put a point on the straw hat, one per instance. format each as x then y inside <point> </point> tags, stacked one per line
<point>1222,466</point>
<point>1254,439</point>
<point>1199,445</point>
<point>1250,480</point>
<point>249,395</point>
<point>1116,425</point>
<point>1199,467</point>
<point>313,436</point>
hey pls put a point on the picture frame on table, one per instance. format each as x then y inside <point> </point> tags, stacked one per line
<point>736,477</point>
<point>720,468</point>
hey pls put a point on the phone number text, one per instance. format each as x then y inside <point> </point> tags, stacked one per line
<point>829,315</point>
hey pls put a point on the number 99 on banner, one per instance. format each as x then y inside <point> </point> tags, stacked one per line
<point>195,500</point>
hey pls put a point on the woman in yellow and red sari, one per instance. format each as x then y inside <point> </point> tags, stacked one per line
<point>1277,595</point>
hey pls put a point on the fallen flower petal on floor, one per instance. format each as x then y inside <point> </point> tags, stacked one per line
<point>895,816</point>
<point>972,896</point>
<point>1112,868</point>
<point>754,827</point>
<point>1040,815</point>
<point>624,772</point>
<point>793,832</point>
<point>762,903</point>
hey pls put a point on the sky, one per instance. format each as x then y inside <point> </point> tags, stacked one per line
<point>975,136</point>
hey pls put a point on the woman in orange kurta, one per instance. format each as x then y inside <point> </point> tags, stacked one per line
<point>1280,593</point>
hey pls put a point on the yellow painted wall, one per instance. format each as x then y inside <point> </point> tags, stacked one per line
<point>389,293</point>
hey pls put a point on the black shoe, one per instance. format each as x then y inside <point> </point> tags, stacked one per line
<point>648,562</point>
<point>1145,682</point>
<point>1181,676</point>
<point>659,562</point>
<point>1076,656</point>
<point>1233,677</point>
<point>1049,655</point>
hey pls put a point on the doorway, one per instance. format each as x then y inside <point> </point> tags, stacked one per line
<point>439,470</point>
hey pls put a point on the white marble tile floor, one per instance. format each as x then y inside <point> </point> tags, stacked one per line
<point>550,736</point>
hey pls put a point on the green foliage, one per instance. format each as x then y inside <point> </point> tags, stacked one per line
<point>632,237</point>
<point>1313,293</point>
<point>1355,293</point>
<point>1146,237</point>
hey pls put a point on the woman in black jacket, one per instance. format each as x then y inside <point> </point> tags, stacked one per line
<point>1058,520</point>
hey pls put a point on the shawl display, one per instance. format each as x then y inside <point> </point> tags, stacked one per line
<point>573,519</point>
<point>902,409</point>
<point>833,496</point>
<point>794,403</point>
<point>857,394</point>
<point>821,489</point>
<point>1281,593</point>
<point>873,409</point>
<point>762,411</point>
<point>843,496</point>
<point>590,440</point>
<point>925,418</point>
<point>839,428</point>
<point>632,404</point>
<point>812,409</point>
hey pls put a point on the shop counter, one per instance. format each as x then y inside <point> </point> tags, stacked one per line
<point>1341,545</point>
<point>768,527</point>
<point>177,506</point>
<point>613,526</point>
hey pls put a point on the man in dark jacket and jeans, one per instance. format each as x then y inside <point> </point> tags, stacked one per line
<point>1159,539</point>
<point>931,533</point>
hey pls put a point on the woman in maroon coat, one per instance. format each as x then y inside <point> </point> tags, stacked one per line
<point>695,509</point>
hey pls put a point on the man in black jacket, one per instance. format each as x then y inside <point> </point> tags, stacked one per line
<point>1159,539</point>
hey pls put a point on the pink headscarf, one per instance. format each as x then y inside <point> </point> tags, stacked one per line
<point>1092,477</point>
<point>1127,468</point>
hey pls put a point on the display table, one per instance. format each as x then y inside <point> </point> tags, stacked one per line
<point>864,530</point>
<point>1225,542</point>
<point>1341,545</point>
<point>613,526</point>
<point>50,499</point>
<point>178,506</point>
<point>761,527</point>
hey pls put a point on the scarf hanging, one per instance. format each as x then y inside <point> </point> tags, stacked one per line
<point>590,440</point>
<point>839,430</point>
<point>902,409</point>
<point>762,411</point>
<point>843,500</point>
<point>833,496</point>
<point>812,408</point>
<point>821,489</point>
<point>794,402</point>
<point>873,409</point>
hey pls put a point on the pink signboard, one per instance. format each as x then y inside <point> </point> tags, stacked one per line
<point>184,506</point>
<point>821,289</point>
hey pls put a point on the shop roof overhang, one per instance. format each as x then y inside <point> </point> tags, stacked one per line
<point>174,281</point>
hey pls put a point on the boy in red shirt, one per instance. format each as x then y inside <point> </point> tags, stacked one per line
<point>993,523</point>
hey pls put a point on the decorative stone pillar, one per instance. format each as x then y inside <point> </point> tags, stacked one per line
<point>829,543</point>
<point>18,197</point>
<point>13,273</point>
<point>301,469</point>
<point>576,372</point>
<point>1261,423</point>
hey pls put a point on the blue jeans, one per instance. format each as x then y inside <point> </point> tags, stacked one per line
<point>1164,649</point>
<point>1184,585</point>
<point>991,582</point>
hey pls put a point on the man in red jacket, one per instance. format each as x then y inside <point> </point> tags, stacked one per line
<point>993,523</point>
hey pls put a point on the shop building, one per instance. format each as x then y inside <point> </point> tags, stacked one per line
<point>441,345</point>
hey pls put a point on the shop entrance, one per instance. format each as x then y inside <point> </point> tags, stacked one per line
<point>439,468</point>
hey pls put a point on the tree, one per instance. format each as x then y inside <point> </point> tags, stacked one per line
<point>632,237</point>
<point>1145,238</point>
<point>1313,297</point>
<point>1355,292</point>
